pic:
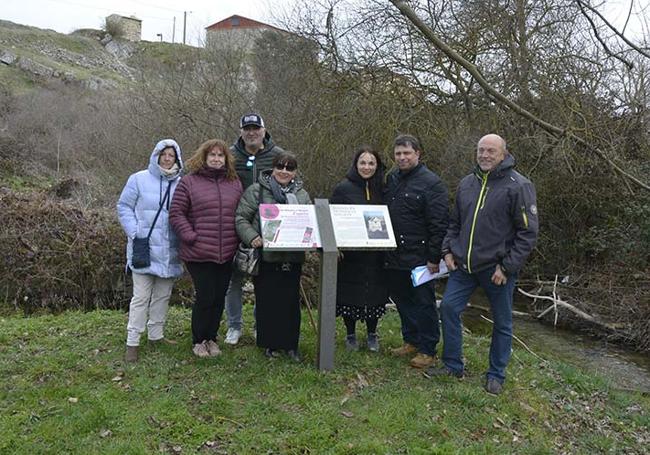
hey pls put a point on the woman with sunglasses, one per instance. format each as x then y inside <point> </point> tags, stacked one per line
<point>277,313</point>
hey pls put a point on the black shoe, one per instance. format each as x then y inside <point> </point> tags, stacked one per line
<point>271,353</point>
<point>437,372</point>
<point>351,343</point>
<point>294,355</point>
<point>373,342</point>
<point>492,386</point>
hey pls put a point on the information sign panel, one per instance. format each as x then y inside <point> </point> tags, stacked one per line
<point>362,226</point>
<point>289,227</point>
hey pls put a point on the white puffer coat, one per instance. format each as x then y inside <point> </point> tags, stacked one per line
<point>137,207</point>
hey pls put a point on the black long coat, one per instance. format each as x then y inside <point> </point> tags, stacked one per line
<point>361,275</point>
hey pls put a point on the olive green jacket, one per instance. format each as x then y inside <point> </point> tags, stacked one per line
<point>247,219</point>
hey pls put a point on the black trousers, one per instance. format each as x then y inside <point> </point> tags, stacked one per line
<point>210,285</point>
<point>277,305</point>
<point>417,311</point>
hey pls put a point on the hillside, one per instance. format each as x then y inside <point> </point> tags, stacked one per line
<point>30,56</point>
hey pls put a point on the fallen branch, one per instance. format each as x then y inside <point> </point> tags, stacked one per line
<point>308,305</point>
<point>569,307</point>
<point>487,310</point>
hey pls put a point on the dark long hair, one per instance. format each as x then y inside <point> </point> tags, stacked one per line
<point>376,182</point>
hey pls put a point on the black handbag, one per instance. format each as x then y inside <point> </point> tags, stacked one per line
<point>247,259</point>
<point>140,256</point>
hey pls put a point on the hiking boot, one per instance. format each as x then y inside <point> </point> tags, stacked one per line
<point>351,343</point>
<point>373,342</point>
<point>232,336</point>
<point>131,354</point>
<point>404,350</point>
<point>201,350</point>
<point>213,348</point>
<point>437,372</point>
<point>422,360</point>
<point>493,386</point>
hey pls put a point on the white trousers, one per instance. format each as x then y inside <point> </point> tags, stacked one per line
<point>148,307</point>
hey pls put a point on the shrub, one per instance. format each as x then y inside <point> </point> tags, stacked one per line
<point>58,255</point>
<point>113,28</point>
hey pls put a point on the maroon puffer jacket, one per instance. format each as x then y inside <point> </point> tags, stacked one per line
<point>203,215</point>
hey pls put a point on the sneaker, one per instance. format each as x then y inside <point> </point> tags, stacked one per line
<point>404,350</point>
<point>351,343</point>
<point>493,386</point>
<point>232,336</point>
<point>422,360</point>
<point>373,342</point>
<point>200,350</point>
<point>436,372</point>
<point>213,348</point>
<point>131,354</point>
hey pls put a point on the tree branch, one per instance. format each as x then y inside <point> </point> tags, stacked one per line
<point>614,29</point>
<point>600,40</point>
<point>428,33</point>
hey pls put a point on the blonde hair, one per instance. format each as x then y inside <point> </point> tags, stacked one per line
<point>197,160</point>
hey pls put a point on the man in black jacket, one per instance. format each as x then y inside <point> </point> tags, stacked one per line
<point>418,205</point>
<point>492,231</point>
<point>253,151</point>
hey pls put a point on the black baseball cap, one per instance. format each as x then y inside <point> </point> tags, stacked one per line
<point>251,119</point>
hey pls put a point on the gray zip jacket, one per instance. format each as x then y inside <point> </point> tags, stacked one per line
<point>494,220</point>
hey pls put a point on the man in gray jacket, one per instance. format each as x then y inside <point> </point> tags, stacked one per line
<point>254,151</point>
<point>493,229</point>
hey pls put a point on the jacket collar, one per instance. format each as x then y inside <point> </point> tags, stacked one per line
<point>267,142</point>
<point>500,171</point>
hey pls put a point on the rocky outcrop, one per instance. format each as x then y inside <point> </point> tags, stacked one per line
<point>7,57</point>
<point>35,68</point>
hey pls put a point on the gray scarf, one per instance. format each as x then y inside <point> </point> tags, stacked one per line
<point>283,194</point>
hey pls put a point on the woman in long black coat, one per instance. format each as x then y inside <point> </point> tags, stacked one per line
<point>362,292</point>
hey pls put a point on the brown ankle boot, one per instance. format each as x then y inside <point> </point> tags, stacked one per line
<point>131,354</point>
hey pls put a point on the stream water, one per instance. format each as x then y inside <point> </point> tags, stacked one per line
<point>626,369</point>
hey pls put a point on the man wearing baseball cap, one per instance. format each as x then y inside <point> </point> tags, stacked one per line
<point>254,151</point>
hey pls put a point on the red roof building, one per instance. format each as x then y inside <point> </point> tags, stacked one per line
<point>240,22</point>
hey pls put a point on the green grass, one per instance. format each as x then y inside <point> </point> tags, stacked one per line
<point>15,80</point>
<point>67,390</point>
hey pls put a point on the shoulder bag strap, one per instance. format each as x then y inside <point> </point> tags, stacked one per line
<point>159,209</point>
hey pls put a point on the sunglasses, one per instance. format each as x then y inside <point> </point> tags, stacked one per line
<point>288,167</point>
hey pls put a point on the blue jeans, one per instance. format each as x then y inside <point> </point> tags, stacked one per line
<point>417,311</point>
<point>460,287</point>
<point>234,300</point>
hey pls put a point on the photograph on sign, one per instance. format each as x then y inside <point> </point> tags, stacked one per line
<point>289,227</point>
<point>362,226</point>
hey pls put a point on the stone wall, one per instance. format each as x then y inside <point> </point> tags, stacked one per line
<point>131,26</point>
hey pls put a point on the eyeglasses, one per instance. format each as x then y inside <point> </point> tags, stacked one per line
<point>287,166</point>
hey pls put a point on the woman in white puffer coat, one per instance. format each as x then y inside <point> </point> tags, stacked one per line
<point>143,195</point>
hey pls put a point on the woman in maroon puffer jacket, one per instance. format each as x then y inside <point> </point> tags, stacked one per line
<point>203,215</point>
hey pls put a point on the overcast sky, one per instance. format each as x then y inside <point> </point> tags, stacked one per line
<point>157,15</point>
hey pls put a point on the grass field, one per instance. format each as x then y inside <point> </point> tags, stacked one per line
<point>67,390</point>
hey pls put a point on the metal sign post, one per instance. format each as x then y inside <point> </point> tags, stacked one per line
<point>327,291</point>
